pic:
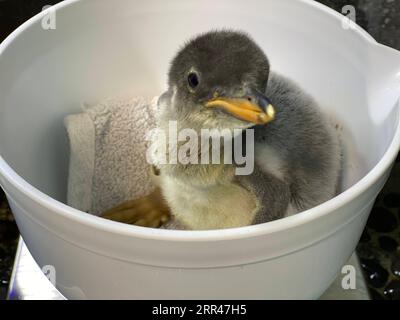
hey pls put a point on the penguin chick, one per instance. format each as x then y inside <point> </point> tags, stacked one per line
<point>222,80</point>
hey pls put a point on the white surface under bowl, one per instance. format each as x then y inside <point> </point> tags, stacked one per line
<point>104,48</point>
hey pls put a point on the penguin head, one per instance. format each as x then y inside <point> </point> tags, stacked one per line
<point>218,80</point>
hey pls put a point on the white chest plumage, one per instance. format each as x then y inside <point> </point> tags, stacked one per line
<point>224,205</point>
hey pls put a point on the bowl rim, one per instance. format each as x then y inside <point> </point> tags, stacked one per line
<point>202,235</point>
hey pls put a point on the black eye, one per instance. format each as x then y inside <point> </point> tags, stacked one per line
<point>193,80</point>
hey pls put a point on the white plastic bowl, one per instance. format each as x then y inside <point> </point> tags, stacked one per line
<point>105,48</point>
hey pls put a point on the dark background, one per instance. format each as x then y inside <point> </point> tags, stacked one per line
<point>378,249</point>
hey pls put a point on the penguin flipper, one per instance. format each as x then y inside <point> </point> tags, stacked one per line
<point>271,193</point>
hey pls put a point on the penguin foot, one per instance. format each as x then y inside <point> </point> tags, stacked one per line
<point>148,211</point>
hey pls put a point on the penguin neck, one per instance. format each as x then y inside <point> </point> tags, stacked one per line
<point>193,155</point>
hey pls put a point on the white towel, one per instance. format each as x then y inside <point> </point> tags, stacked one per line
<point>108,153</point>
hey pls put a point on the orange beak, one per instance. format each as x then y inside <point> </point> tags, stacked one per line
<point>243,109</point>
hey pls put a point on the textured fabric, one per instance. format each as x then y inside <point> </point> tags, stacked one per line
<point>80,128</point>
<point>108,153</point>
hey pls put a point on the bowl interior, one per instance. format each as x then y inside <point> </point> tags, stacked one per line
<point>106,48</point>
